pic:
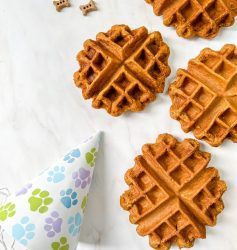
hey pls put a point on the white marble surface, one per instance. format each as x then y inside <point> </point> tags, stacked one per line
<point>42,113</point>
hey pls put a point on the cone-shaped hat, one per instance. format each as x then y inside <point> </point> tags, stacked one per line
<point>47,213</point>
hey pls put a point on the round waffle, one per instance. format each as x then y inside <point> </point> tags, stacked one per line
<point>204,97</point>
<point>203,18</point>
<point>123,69</point>
<point>172,193</point>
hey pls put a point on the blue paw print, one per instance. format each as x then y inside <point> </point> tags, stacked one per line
<point>56,175</point>
<point>23,231</point>
<point>74,223</point>
<point>69,158</point>
<point>68,198</point>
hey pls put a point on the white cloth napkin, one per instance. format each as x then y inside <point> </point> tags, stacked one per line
<point>47,213</point>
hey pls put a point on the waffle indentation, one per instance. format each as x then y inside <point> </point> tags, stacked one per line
<point>172,194</point>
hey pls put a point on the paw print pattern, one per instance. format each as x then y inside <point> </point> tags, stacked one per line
<point>39,201</point>
<point>91,157</point>
<point>23,231</point>
<point>74,223</point>
<point>62,244</point>
<point>53,224</point>
<point>68,198</point>
<point>82,178</point>
<point>56,175</point>
<point>24,190</point>
<point>7,211</point>
<point>70,158</point>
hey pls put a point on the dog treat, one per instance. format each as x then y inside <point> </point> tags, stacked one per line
<point>60,4</point>
<point>204,97</point>
<point>91,6</point>
<point>172,194</point>
<point>123,69</point>
<point>196,17</point>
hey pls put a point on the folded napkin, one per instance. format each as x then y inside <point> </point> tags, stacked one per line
<point>47,213</point>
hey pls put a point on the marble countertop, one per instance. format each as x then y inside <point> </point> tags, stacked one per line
<point>43,114</point>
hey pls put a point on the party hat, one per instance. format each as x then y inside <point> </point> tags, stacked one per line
<point>47,213</point>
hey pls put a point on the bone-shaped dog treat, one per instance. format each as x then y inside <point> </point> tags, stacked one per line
<point>60,4</point>
<point>88,7</point>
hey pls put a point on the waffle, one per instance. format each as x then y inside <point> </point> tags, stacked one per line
<point>204,97</point>
<point>172,194</point>
<point>123,69</point>
<point>203,18</point>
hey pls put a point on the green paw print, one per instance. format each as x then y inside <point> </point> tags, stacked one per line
<point>84,202</point>
<point>7,211</point>
<point>91,156</point>
<point>61,245</point>
<point>39,201</point>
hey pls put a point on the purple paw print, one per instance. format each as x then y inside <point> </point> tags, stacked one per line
<point>82,178</point>
<point>24,190</point>
<point>53,224</point>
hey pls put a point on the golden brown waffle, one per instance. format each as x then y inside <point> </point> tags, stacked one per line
<point>172,194</point>
<point>123,69</point>
<point>204,97</point>
<point>203,18</point>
